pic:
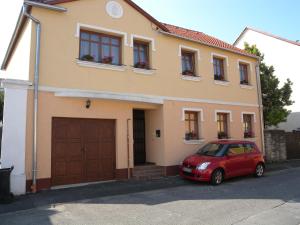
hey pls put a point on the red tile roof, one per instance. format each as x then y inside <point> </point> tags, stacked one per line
<point>204,38</point>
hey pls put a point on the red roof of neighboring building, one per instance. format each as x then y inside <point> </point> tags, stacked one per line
<point>204,38</point>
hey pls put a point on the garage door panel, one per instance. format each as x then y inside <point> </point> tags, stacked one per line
<point>83,150</point>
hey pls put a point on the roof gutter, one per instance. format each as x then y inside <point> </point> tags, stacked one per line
<point>204,43</point>
<point>26,14</point>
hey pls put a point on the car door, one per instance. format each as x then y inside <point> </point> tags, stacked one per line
<point>250,157</point>
<point>235,160</point>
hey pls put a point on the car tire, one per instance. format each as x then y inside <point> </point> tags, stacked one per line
<point>217,177</point>
<point>259,170</point>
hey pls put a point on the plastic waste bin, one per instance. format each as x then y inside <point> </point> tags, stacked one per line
<point>5,195</point>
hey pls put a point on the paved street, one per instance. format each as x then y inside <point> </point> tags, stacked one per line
<point>273,199</point>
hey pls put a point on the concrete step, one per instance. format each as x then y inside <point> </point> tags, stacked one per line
<point>147,172</point>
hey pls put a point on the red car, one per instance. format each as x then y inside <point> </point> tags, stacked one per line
<point>221,160</point>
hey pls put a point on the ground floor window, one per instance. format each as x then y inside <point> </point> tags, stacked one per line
<point>247,126</point>
<point>191,125</point>
<point>222,121</point>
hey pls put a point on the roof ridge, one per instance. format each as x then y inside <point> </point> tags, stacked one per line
<point>273,35</point>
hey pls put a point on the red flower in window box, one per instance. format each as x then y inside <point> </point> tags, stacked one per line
<point>248,134</point>
<point>188,73</point>
<point>107,60</point>
<point>141,65</point>
<point>87,58</point>
<point>191,136</point>
<point>222,135</point>
<point>245,82</point>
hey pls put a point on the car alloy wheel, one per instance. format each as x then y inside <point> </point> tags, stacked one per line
<point>217,177</point>
<point>259,170</point>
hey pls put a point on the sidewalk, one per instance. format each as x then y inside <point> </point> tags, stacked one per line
<point>52,197</point>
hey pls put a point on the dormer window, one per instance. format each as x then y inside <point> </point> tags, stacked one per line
<point>188,63</point>
<point>100,48</point>
<point>141,55</point>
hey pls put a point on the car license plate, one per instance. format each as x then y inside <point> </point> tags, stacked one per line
<point>188,170</point>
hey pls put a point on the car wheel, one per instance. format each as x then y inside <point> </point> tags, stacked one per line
<point>217,177</point>
<point>259,170</point>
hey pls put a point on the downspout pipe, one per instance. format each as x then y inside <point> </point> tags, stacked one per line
<point>261,114</point>
<point>35,94</point>
<point>26,9</point>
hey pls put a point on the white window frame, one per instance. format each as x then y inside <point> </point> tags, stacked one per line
<point>197,59</point>
<point>245,62</point>
<point>101,30</point>
<point>200,120</point>
<point>213,54</point>
<point>248,113</point>
<point>142,38</point>
<point>223,111</point>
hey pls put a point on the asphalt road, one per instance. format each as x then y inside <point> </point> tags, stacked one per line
<point>271,200</point>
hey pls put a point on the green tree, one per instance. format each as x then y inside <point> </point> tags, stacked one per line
<point>274,97</point>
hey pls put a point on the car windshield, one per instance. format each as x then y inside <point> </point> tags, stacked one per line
<point>212,149</point>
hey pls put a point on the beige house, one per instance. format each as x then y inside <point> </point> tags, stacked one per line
<point>99,88</point>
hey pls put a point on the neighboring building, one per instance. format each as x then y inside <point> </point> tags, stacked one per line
<point>292,123</point>
<point>283,54</point>
<point>118,89</point>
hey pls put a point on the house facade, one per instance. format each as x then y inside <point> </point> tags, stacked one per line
<point>116,90</point>
<point>270,45</point>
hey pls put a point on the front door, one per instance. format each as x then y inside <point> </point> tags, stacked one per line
<point>139,137</point>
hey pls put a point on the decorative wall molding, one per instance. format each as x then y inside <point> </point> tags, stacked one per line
<point>213,54</point>
<point>223,111</point>
<point>142,38</point>
<point>248,113</point>
<point>101,29</point>
<point>160,99</point>
<point>15,84</point>
<point>184,47</point>
<point>199,110</point>
<point>101,65</point>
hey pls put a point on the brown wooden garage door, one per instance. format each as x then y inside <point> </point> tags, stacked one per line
<point>83,150</point>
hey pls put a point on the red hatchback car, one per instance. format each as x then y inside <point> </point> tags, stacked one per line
<point>221,160</point>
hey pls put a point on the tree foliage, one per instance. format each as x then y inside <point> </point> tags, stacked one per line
<point>274,97</point>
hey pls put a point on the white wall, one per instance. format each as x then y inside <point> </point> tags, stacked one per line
<point>14,132</point>
<point>284,56</point>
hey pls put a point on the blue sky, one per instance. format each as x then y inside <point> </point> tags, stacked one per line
<point>226,19</point>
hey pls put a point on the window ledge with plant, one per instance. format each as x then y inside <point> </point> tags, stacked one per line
<point>88,61</point>
<point>246,86</point>
<point>222,82</point>
<point>193,142</point>
<point>143,68</point>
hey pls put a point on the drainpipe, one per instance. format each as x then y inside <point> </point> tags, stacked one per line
<point>35,94</point>
<point>128,150</point>
<point>261,114</point>
<point>26,9</point>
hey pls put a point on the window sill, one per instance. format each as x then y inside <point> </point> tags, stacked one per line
<point>222,82</point>
<point>143,71</point>
<point>193,142</point>
<point>246,86</point>
<point>191,78</point>
<point>100,65</point>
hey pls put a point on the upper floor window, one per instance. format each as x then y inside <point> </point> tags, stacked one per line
<point>247,125</point>
<point>219,72</point>
<point>188,63</point>
<point>191,125</point>
<point>222,122</point>
<point>244,78</point>
<point>100,48</point>
<point>141,55</point>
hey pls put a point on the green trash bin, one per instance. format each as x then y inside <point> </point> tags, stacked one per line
<point>5,195</point>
